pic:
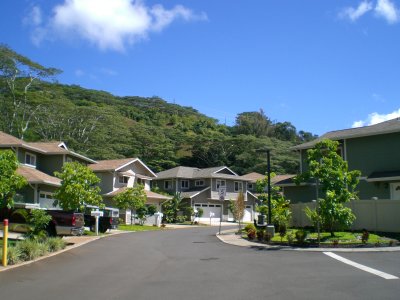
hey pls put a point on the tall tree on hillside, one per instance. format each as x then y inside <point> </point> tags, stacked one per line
<point>17,76</point>
<point>253,123</point>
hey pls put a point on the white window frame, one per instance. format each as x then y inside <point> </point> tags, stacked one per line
<point>184,184</point>
<point>122,179</point>
<point>219,183</point>
<point>250,186</point>
<point>46,194</point>
<point>168,185</point>
<point>199,182</point>
<point>392,190</point>
<point>239,186</point>
<point>31,155</point>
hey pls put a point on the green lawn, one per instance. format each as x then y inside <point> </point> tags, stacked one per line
<point>137,227</point>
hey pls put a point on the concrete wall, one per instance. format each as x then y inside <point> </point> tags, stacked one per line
<point>373,215</point>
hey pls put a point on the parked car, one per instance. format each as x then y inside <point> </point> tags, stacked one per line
<point>62,222</point>
<point>109,220</point>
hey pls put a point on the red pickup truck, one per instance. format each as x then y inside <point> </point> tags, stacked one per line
<point>62,222</point>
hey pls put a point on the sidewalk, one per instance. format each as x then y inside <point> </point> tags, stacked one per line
<point>229,237</point>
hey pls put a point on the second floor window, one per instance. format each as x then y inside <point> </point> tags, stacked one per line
<point>199,183</point>
<point>167,184</point>
<point>238,186</point>
<point>123,179</point>
<point>185,184</point>
<point>30,159</point>
<point>220,183</point>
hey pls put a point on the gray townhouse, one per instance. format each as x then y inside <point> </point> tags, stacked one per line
<point>38,162</point>
<point>200,188</point>
<point>117,175</point>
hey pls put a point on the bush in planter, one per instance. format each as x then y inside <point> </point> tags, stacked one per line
<point>30,249</point>
<point>251,233</point>
<point>13,255</point>
<point>260,234</point>
<point>250,227</point>
<point>55,244</point>
<point>301,236</point>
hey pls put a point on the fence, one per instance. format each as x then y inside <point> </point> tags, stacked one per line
<point>373,215</point>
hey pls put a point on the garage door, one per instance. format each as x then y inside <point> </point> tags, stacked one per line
<point>209,210</point>
<point>248,214</point>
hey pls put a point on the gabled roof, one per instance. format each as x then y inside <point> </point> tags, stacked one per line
<point>34,176</point>
<point>48,148</point>
<point>117,164</point>
<point>194,173</point>
<point>390,126</point>
<point>253,177</point>
<point>193,192</point>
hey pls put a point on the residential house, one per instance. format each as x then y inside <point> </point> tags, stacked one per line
<point>38,162</point>
<point>201,187</point>
<point>253,177</point>
<point>375,151</point>
<point>119,174</point>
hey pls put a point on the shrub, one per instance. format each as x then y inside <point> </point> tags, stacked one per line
<point>200,212</point>
<point>249,227</point>
<point>251,233</point>
<point>290,237</point>
<point>43,248</point>
<point>267,236</point>
<point>365,236</point>
<point>13,255</point>
<point>30,249</point>
<point>301,236</point>
<point>55,244</point>
<point>260,234</point>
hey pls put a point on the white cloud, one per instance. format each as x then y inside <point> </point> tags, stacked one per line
<point>34,17</point>
<point>114,24</point>
<point>108,72</point>
<point>387,9</point>
<point>353,14</point>
<point>376,118</point>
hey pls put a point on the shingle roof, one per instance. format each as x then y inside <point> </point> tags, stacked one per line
<point>390,126</point>
<point>253,177</point>
<point>49,148</point>
<point>192,173</point>
<point>193,192</point>
<point>110,164</point>
<point>37,177</point>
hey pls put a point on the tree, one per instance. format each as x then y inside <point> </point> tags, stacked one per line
<point>10,181</point>
<point>78,187</point>
<point>173,207</point>
<point>17,75</point>
<point>132,198</point>
<point>337,184</point>
<point>253,123</point>
<point>240,206</point>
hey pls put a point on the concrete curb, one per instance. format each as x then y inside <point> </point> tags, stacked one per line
<point>68,248</point>
<point>229,237</point>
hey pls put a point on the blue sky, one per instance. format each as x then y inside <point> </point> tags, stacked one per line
<point>322,65</point>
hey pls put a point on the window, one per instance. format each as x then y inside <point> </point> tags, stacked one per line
<point>199,183</point>
<point>123,179</point>
<point>220,183</point>
<point>238,186</point>
<point>185,184</point>
<point>167,184</point>
<point>140,181</point>
<point>30,159</point>
<point>250,186</point>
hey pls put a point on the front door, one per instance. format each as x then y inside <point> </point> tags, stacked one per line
<point>395,191</point>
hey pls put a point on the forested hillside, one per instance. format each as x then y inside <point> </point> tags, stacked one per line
<point>103,126</point>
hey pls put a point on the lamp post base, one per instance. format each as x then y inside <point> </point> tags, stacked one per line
<point>271,230</point>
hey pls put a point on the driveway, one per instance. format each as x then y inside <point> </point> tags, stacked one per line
<point>194,264</point>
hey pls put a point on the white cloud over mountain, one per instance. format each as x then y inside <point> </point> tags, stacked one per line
<point>111,24</point>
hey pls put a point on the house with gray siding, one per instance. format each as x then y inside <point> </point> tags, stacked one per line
<point>200,188</point>
<point>374,150</point>
<point>116,175</point>
<point>38,162</point>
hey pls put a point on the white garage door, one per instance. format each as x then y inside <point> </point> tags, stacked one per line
<point>210,210</point>
<point>248,214</point>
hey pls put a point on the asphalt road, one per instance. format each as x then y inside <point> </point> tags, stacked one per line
<point>194,264</point>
